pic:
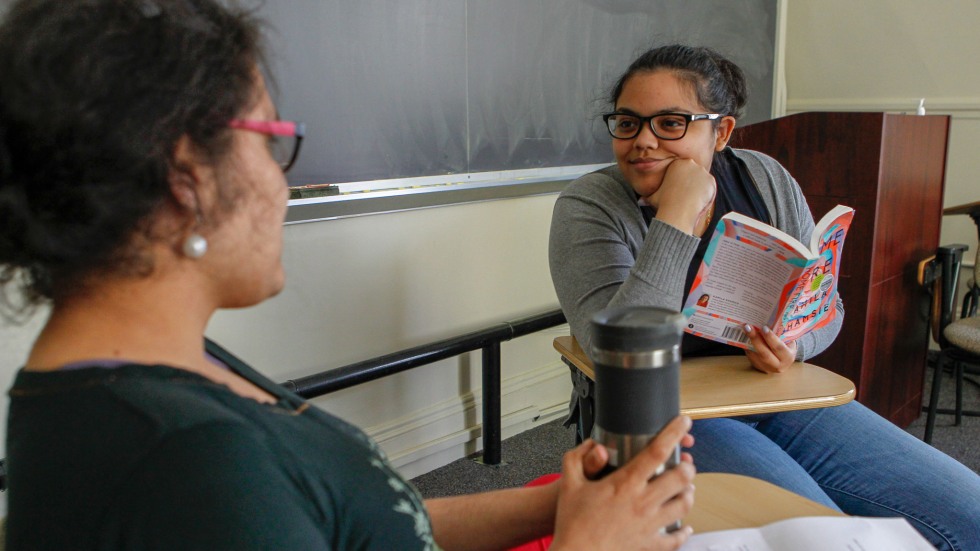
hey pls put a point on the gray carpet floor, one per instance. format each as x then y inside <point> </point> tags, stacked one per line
<point>539,450</point>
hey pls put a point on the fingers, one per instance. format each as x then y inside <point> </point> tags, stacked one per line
<point>687,442</point>
<point>686,193</point>
<point>669,498</point>
<point>589,458</point>
<point>628,508</point>
<point>584,462</point>
<point>769,354</point>
<point>595,461</point>
<point>646,463</point>
<point>675,540</point>
<point>573,460</point>
<point>793,349</point>
<point>673,489</point>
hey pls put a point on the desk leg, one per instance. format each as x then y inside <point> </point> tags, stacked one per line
<point>581,407</point>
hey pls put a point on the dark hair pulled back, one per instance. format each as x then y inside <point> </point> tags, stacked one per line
<point>718,83</point>
<point>94,96</point>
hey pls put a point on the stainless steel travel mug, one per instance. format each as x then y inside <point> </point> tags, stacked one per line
<point>636,352</point>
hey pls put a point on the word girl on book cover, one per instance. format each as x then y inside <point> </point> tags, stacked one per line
<point>755,274</point>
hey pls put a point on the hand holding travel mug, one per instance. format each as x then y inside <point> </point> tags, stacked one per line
<point>636,353</point>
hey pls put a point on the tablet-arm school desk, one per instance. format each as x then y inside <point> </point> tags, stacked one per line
<point>970,209</point>
<point>728,501</point>
<point>723,386</point>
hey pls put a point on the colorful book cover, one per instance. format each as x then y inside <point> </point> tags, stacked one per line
<point>755,274</point>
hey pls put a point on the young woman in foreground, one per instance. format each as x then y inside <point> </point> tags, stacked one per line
<point>142,189</point>
<point>635,233</point>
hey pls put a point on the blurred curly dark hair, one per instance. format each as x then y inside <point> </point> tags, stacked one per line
<point>94,96</point>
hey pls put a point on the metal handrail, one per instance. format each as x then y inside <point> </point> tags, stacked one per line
<point>488,339</point>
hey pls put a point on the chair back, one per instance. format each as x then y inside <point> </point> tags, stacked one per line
<point>941,275</point>
<point>972,299</point>
<point>976,269</point>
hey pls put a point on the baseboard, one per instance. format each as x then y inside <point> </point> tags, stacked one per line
<point>437,435</point>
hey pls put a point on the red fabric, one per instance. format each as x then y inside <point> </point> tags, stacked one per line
<point>544,543</point>
<point>543,480</point>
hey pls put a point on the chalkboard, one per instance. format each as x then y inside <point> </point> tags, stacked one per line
<point>395,89</point>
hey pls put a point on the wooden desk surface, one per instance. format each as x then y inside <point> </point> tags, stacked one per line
<point>726,386</point>
<point>728,501</point>
<point>967,208</point>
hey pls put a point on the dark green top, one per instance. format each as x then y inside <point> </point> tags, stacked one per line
<point>151,457</point>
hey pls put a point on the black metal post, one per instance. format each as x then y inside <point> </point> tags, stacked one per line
<point>491,403</point>
<point>488,340</point>
<point>347,376</point>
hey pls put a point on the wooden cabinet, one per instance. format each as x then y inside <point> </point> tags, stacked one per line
<point>891,169</point>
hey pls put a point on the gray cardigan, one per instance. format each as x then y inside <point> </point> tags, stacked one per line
<point>602,253</point>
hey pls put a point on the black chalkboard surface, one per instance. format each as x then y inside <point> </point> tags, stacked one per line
<point>409,88</point>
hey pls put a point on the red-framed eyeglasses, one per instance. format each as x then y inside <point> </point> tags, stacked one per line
<point>285,138</point>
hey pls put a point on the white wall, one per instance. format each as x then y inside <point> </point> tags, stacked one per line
<point>361,287</point>
<point>883,55</point>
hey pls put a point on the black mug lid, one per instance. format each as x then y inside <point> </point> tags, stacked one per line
<point>636,328</point>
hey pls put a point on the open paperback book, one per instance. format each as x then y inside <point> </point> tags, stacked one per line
<point>816,534</point>
<point>755,274</point>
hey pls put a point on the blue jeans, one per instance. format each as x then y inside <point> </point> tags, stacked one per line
<point>850,459</point>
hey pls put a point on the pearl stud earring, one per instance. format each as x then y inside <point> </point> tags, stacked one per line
<point>195,246</point>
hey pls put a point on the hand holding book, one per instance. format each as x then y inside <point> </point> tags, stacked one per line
<point>755,274</point>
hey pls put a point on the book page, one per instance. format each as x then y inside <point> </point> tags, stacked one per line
<point>755,274</point>
<point>816,534</point>
<point>742,280</point>
<point>747,278</point>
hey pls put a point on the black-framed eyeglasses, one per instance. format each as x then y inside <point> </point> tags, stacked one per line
<point>285,138</point>
<point>666,126</point>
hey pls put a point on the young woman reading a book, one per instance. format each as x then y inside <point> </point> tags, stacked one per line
<point>141,189</point>
<point>635,233</point>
